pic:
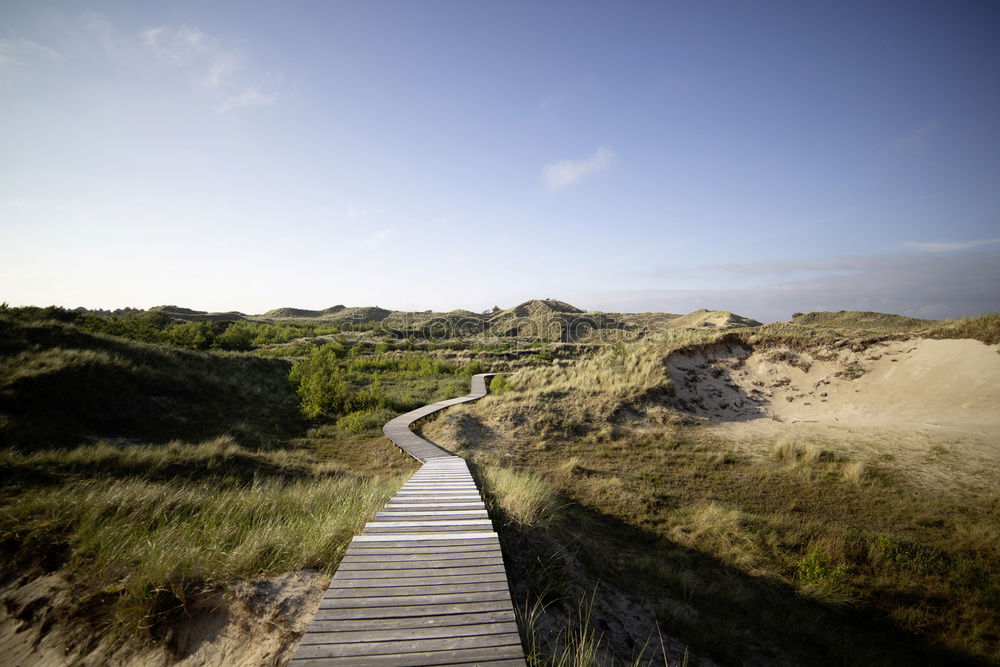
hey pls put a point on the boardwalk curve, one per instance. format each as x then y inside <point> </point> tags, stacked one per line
<point>424,583</point>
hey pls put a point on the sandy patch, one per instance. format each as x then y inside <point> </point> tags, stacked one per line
<point>256,623</point>
<point>932,404</point>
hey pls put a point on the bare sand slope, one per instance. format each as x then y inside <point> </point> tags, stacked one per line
<point>258,623</point>
<point>908,398</point>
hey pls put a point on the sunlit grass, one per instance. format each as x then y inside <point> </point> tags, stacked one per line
<point>130,536</point>
<point>524,498</point>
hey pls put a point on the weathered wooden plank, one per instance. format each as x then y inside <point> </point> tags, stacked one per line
<point>417,502</point>
<point>407,600</point>
<point>413,505</point>
<point>500,604</point>
<point>438,493</point>
<point>424,507</point>
<point>519,660</point>
<point>404,646</point>
<point>501,656</point>
<point>421,547</point>
<point>431,527</point>
<point>438,496</point>
<point>462,480</point>
<point>410,516</point>
<point>414,622</point>
<point>399,590</point>
<point>434,484</point>
<point>443,546</point>
<point>465,480</point>
<point>431,632</point>
<point>474,657</point>
<point>375,563</point>
<point>440,515</point>
<point>343,586</point>
<point>403,531</point>
<point>403,554</point>
<point>393,587</point>
<point>434,523</point>
<point>442,532</point>
<point>455,569</point>
<point>420,537</point>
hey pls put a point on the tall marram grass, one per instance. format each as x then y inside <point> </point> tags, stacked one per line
<point>985,328</point>
<point>221,456</point>
<point>140,533</point>
<point>524,498</point>
<point>128,537</point>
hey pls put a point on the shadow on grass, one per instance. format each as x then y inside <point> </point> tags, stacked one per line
<point>60,386</point>
<point>723,612</point>
<point>234,470</point>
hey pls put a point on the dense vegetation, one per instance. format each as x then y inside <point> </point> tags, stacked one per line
<point>157,326</point>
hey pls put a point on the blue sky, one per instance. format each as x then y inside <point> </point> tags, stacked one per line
<point>763,157</point>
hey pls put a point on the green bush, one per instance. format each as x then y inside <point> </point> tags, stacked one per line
<point>816,568</point>
<point>239,337</point>
<point>500,385</point>
<point>472,368</point>
<point>328,388</point>
<point>368,419</point>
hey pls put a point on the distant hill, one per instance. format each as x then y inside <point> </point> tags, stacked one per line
<point>866,320</point>
<point>711,319</point>
<point>292,313</point>
<point>178,313</point>
<point>536,308</point>
<point>537,318</point>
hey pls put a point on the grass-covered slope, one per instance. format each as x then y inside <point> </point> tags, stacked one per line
<point>711,319</point>
<point>60,385</point>
<point>867,321</point>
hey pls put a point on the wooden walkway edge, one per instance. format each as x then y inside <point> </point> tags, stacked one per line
<point>424,583</point>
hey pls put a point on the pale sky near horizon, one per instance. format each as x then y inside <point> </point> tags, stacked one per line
<point>760,157</point>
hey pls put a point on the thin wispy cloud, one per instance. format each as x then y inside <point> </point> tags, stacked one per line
<point>380,237</point>
<point>949,246</point>
<point>177,45</point>
<point>914,142</point>
<point>18,54</point>
<point>251,97</point>
<point>561,174</point>
<point>212,66</point>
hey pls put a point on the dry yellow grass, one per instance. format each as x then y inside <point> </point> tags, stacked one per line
<point>524,498</point>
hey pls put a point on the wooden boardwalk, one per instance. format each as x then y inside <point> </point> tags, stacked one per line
<point>424,583</point>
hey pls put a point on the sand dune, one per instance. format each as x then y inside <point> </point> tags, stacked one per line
<point>932,405</point>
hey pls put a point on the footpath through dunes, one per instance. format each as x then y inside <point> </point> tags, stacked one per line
<point>424,583</point>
